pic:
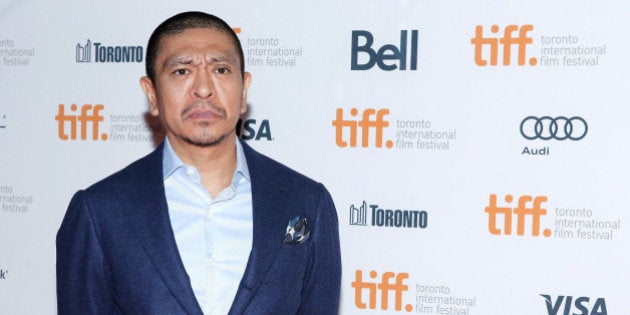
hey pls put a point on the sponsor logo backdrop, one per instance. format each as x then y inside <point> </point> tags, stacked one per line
<point>475,151</point>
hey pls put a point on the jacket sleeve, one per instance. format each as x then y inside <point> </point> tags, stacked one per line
<point>320,294</point>
<point>83,279</point>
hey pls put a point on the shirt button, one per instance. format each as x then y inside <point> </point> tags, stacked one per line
<point>190,171</point>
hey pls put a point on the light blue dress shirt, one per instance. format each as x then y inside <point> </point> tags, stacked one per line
<point>214,237</point>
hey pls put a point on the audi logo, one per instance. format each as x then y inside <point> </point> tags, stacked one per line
<point>559,128</point>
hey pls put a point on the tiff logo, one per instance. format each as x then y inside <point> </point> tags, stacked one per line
<point>358,216</point>
<point>535,211</point>
<point>385,286</point>
<point>89,115</point>
<point>493,42</point>
<point>84,53</point>
<point>371,119</point>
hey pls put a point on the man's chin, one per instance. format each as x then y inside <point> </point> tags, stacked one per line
<point>205,142</point>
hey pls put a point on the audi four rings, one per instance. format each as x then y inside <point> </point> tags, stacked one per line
<point>558,128</point>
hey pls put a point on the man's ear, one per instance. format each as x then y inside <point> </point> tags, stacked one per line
<point>247,80</point>
<point>149,91</point>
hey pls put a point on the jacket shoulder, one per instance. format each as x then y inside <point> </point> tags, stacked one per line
<point>261,166</point>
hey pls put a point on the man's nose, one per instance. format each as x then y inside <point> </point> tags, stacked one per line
<point>203,86</point>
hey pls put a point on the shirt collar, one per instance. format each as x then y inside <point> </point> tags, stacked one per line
<point>171,162</point>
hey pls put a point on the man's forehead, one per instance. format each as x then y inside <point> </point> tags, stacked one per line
<point>199,35</point>
<point>197,40</point>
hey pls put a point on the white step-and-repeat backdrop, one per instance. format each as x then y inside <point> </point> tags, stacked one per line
<point>476,151</point>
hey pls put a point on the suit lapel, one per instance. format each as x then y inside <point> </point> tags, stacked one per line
<point>268,220</point>
<point>150,221</point>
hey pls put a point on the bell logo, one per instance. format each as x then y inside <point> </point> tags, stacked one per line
<point>385,286</point>
<point>89,115</point>
<point>366,124</point>
<point>581,304</point>
<point>521,212</point>
<point>506,42</point>
<point>386,53</point>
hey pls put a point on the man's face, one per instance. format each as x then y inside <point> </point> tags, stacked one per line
<point>198,93</point>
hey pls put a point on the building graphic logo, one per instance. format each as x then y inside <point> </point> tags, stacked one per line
<point>84,52</point>
<point>358,216</point>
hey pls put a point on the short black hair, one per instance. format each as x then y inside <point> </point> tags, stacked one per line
<point>184,21</point>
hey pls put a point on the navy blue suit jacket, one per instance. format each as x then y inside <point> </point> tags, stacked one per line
<point>116,252</point>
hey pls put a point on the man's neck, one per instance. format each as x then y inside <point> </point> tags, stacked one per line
<point>215,164</point>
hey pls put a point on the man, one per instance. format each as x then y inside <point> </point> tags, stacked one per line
<point>204,223</point>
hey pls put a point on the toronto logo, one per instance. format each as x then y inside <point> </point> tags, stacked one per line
<point>100,53</point>
<point>380,217</point>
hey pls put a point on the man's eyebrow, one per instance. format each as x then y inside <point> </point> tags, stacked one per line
<point>220,58</point>
<point>187,60</point>
<point>177,60</point>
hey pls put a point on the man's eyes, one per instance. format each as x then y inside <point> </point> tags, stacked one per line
<point>181,71</point>
<point>223,70</point>
<point>219,70</point>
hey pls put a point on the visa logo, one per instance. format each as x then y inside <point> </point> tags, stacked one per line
<point>581,304</point>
